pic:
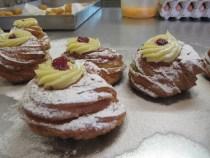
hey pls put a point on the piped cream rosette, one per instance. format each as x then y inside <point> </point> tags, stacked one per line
<point>161,48</point>
<point>14,38</point>
<point>50,77</point>
<point>22,23</point>
<point>81,45</point>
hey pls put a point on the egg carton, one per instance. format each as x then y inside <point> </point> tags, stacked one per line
<point>185,9</point>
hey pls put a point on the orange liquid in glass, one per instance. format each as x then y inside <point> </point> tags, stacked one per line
<point>139,12</point>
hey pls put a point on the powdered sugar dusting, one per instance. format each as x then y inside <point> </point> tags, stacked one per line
<point>89,121</point>
<point>188,53</point>
<point>207,57</point>
<point>207,62</point>
<point>189,57</point>
<point>105,53</point>
<point>102,56</point>
<point>93,68</point>
<point>81,92</point>
<point>146,91</point>
<point>44,111</point>
<point>18,141</point>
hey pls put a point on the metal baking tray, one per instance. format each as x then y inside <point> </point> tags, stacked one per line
<point>62,22</point>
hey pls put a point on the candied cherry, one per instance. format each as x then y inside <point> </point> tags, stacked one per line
<point>83,39</point>
<point>60,63</point>
<point>161,42</point>
<point>12,36</point>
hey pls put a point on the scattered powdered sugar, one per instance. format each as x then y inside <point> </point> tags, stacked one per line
<point>12,91</point>
<point>189,57</point>
<point>115,109</point>
<point>43,111</point>
<point>146,91</point>
<point>105,53</point>
<point>188,53</point>
<point>207,57</point>
<point>93,68</point>
<point>89,121</point>
<point>8,58</point>
<point>102,56</point>
<point>12,114</point>
<point>168,146</point>
<point>207,62</point>
<point>18,141</point>
<point>81,92</point>
<point>168,88</point>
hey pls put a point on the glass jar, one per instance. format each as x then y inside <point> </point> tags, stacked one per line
<point>139,8</point>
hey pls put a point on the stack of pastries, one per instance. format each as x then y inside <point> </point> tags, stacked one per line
<point>20,53</point>
<point>108,63</point>
<point>65,101</point>
<point>32,25</point>
<point>164,67</point>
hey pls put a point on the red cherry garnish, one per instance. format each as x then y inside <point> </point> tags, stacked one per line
<point>161,42</point>
<point>83,39</point>
<point>12,36</point>
<point>60,63</point>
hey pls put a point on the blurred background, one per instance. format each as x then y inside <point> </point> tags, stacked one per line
<point>111,3</point>
<point>105,3</point>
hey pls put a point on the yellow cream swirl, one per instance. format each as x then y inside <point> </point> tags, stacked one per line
<point>74,46</point>
<point>51,78</point>
<point>14,38</point>
<point>161,48</point>
<point>23,23</point>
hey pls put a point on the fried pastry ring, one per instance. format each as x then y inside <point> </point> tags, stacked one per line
<point>84,110</point>
<point>109,62</point>
<point>17,63</point>
<point>166,79</point>
<point>207,64</point>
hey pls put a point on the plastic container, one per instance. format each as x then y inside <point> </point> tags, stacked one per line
<point>139,8</point>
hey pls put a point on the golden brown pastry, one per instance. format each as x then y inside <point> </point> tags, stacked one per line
<point>11,12</point>
<point>20,53</point>
<point>67,102</point>
<point>43,6</point>
<point>63,10</point>
<point>165,67</point>
<point>17,11</point>
<point>6,13</point>
<point>109,62</point>
<point>32,25</point>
